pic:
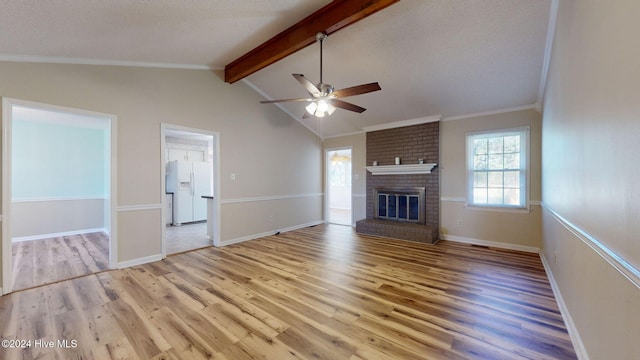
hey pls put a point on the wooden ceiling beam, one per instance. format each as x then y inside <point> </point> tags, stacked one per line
<point>329,19</point>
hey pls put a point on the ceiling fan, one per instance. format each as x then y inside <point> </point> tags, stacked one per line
<point>324,99</point>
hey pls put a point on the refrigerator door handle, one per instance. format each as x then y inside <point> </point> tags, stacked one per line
<point>193,183</point>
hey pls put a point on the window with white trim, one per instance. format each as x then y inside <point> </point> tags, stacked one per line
<point>497,168</point>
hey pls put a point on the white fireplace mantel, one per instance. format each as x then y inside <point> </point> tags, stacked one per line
<point>407,169</point>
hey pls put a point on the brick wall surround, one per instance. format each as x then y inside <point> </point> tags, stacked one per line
<point>410,143</point>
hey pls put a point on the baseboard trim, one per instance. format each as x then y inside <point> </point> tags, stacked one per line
<point>578,345</point>
<point>268,233</point>
<point>59,234</point>
<point>139,261</point>
<point>495,244</point>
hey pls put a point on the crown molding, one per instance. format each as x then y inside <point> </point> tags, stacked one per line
<point>551,31</point>
<point>403,123</point>
<point>87,61</point>
<point>494,112</point>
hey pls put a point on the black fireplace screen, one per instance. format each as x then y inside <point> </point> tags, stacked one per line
<point>400,205</point>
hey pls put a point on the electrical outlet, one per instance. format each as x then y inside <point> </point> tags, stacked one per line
<point>459,223</point>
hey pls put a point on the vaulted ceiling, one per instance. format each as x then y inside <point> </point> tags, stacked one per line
<point>431,57</point>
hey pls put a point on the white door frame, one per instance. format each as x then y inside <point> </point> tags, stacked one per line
<point>327,180</point>
<point>215,176</point>
<point>111,215</point>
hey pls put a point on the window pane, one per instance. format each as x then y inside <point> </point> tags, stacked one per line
<point>392,206</point>
<point>413,208</point>
<point>402,207</point>
<point>494,196</point>
<point>480,162</point>
<point>495,180</point>
<point>382,206</point>
<point>512,161</point>
<point>480,179</point>
<point>512,179</point>
<point>512,197</point>
<point>480,146</point>
<point>479,196</point>
<point>496,162</point>
<point>496,145</point>
<point>512,144</point>
<point>497,165</point>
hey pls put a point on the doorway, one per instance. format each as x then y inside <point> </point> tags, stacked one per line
<point>190,207</point>
<point>57,189</point>
<point>338,169</point>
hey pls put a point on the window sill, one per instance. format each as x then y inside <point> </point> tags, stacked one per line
<point>513,210</point>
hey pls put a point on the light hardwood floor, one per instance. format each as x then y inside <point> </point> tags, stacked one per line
<point>45,261</point>
<point>317,293</point>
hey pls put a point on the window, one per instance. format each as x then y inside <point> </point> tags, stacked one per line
<point>497,164</point>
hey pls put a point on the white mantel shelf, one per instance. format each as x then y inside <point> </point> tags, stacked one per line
<point>401,169</point>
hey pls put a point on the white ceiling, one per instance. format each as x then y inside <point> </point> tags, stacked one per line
<point>448,57</point>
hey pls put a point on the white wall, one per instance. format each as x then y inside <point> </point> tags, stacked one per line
<point>272,155</point>
<point>591,180</point>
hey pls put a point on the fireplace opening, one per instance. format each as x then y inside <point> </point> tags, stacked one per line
<point>400,204</point>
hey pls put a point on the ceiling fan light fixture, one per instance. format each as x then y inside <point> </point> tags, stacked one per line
<point>311,108</point>
<point>323,100</point>
<point>323,106</point>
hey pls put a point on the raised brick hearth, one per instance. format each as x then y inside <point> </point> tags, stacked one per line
<point>410,143</point>
<point>398,230</point>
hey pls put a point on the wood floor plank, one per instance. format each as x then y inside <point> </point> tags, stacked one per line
<point>46,261</point>
<point>180,334</point>
<point>139,334</point>
<point>322,292</point>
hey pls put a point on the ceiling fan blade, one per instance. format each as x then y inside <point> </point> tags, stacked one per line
<point>346,106</point>
<point>357,90</point>
<point>286,100</point>
<point>312,89</point>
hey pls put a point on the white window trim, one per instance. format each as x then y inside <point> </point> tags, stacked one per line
<point>526,208</point>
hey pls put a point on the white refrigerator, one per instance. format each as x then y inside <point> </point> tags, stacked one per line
<point>189,181</point>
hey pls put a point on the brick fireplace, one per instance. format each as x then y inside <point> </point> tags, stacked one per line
<point>403,201</point>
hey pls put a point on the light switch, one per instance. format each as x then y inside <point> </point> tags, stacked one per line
<point>233,176</point>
